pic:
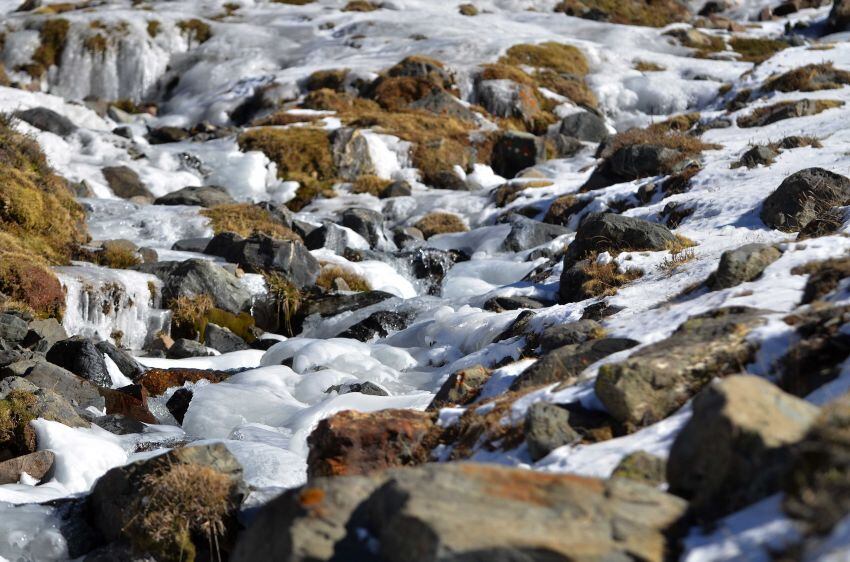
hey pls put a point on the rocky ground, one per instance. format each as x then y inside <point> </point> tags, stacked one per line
<point>504,280</point>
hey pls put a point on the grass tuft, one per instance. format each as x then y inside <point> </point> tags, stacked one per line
<point>440,223</point>
<point>246,219</point>
<point>331,273</point>
<point>756,50</point>
<point>550,55</point>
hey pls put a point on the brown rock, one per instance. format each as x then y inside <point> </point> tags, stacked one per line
<point>157,381</point>
<point>35,464</point>
<point>130,401</point>
<point>461,387</point>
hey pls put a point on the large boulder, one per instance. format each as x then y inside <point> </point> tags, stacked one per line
<point>734,449</point>
<point>547,427</point>
<point>464,512</point>
<point>608,232</point>
<point>82,357</point>
<point>259,253</point>
<point>196,196</point>
<point>516,151</point>
<point>743,264</point>
<point>658,379</point>
<point>197,277</point>
<point>633,162</point>
<point>803,197</point>
<point>47,120</point>
<point>528,233</point>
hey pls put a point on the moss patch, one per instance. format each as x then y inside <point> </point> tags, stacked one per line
<point>330,273</point>
<point>195,30</point>
<point>440,223</point>
<point>246,219</point>
<point>551,55</point>
<point>657,13</point>
<point>756,50</point>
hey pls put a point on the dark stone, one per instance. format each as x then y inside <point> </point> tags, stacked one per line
<point>571,333</point>
<point>125,182</point>
<point>366,387</point>
<point>514,152</point>
<point>397,189</point>
<point>760,155</point>
<point>47,120</point>
<point>197,277</point>
<point>42,334</point>
<point>330,236</point>
<point>547,427</point>
<point>839,16</point>
<point>164,135</point>
<point>804,196</point>
<point>440,102</point>
<point>81,357</point>
<point>191,245</point>
<point>367,223</point>
<point>259,253</point>
<point>430,264</point>
<point>446,179</point>
<point>331,305</point>
<point>461,388</point>
<point>222,339</point>
<point>184,348</point>
<point>502,304</point>
<point>608,232</point>
<point>641,467</point>
<point>13,329</point>
<point>528,233</point>
<point>197,196</point>
<point>126,363</point>
<point>36,464</point>
<point>179,402</point>
<point>377,325</point>
<point>80,392</point>
<point>584,126</point>
<point>119,425</point>
<point>632,162</point>
<point>743,264</point>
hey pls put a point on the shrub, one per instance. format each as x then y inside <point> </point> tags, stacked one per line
<point>756,50</point>
<point>501,71</point>
<point>373,185</point>
<point>153,28</point>
<point>658,135</point>
<point>331,273</point>
<point>189,313</point>
<point>604,279</point>
<point>440,223</point>
<point>573,89</point>
<point>675,260</point>
<point>283,118</point>
<point>647,66</point>
<point>809,78</point>
<point>246,219</point>
<point>766,115</point>
<point>551,55</point>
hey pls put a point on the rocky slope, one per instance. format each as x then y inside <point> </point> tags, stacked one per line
<point>503,280</point>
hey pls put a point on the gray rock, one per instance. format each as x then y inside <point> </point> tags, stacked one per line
<point>198,196</point>
<point>13,383</point>
<point>125,183</point>
<point>126,363</point>
<point>119,424</point>
<point>47,120</point>
<point>514,152</point>
<point>179,402</point>
<point>447,179</point>
<point>81,357</point>
<point>505,98</point>
<point>760,155</point>
<point>36,464</point>
<point>191,245</point>
<point>547,427</point>
<point>440,102</point>
<point>351,153</point>
<point>839,16</point>
<point>584,126</point>
<point>80,392</point>
<point>333,304</point>
<point>184,348</point>
<point>502,304</point>
<point>330,236</point>
<point>743,264</point>
<point>13,329</point>
<point>804,196</point>
<point>640,466</point>
<point>367,387</point>
<point>290,258</point>
<point>163,135</point>
<point>379,324</point>
<point>571,333</point>
<point>42,334</point>
<point>528,233</point>
<point>368,224</point>
<point>608,232</point>
<point>633,162</point>
<point>397,189</point>
<point>780,112</point>
<point>461,388</point>
<point>197,277</point>
<point>222,339</point>
<point>734,449</point>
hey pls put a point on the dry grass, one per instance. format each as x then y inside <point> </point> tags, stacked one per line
<point>360,6</point>
<point>283,118</point>
<point>758,114</point>
<point>657,13</point>
<point>676,260</point>
<point>116,257</point>
<point>500,71</point>
<point>658,135</point>
<point>286,296</point>
<point>246,219</point>
<point>681,244</point>
<point>179,504</point>
<point>52,37</point>
<point>396,93</point>
<point>294,2</point>
<point>468,10</point>
<point>29,282</point>
<point>756,50</point>
<point>331,273</point>
<point>373,185</point>
<point>646,66</point>
<point>808,78</point>
<point>332,79</point>
<point>440,223</point>
<point>680,123</point>
<point>190,313</point>
<point>550,55</point>
<point>153,28</point>
<point>575,90</point>
<point>195,30</point>
<point>604,279</point>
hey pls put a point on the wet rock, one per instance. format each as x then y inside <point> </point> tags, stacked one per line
<point>81,357</point>
<point>430,265</point>
<point>632,162</point>
<point>377,325</point>
<point>742,265</point>
<point>461,388</point>
<point>259,253</point>
<point>125,362</point>
<point>502,304</point>
<point>734,450</point>
<point>640,466</point>
<point>179,402</point>
<point>191,245</point>
<point>119,425</point>
<point>165,135</point>
<point>584,126</point>
<point>13,329</point>
<point>330,236</point>
<point>761,155</point>
<point>42,334</point>
<point>79,391</point>
<point>547,427</point>
<point>197,277</point>
<point>350,443</point>
<point>157,381</point>
<point>184,348</point>
<point>570,333</point>
<point>331,305</point>
<point>125,183</point>
<point>197,196</point>
<point>528,233</point>
<point>368,224</point>
<point>397,189</point>
<point>839,16</point>
<point>659,378</point>
<point>36,465</point>
<point>514,152</point>
<point>566,363</point>
<point>129,401</point>
<point>368,388</point>
<point>47,120</point>
<point>427,510</point>
<point>607,232</point>
<point>804,196</point>
<point>222,339</point>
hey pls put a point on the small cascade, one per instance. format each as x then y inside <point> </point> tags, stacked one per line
<point>121,306</point>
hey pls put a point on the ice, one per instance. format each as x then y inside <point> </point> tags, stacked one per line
<point>247,358</point>
<point>30,533</point>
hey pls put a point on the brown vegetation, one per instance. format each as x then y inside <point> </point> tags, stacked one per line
<point>246,219</point>
<point>440,223</point>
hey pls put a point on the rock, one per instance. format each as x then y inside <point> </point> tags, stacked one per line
<point>119,425</point>
<point>377,325</point>
<point>804,196</point>
<point>397,189</point>
<point>164,135</point>
<point>446,179</point>
<point>440,102</point>
<point>640,466</point>
<point>330,236</point>
<point>179,402</point>
<point>566,363</point>
<point>81,357</point>
<point>368,224</point>
<point>47,120</point>
<point>742,265</point>
<point>12,383</point>
<point>816,491</point>
<point>125,362</point>
<point>584,126</point>
<point>36,465</point>
<point>331,305</point>
<point>125,183</point>
<point>566,147</point>
<point>734,449</point>
<point>570,333</point>
<point>461,388</point>
<point>514,152</point>
<point>42,334</point>
<point>428,510</point>
<point>197,196</point>
<point>350,443</point>
<point>191,245</point>
<point>528,233</point>
<point>547,427</point>
<point>260,253</point>
<point>502,304</point>
<point>760,155</point>
<point>129,401</point>
<point>13,329</point>
<point>785,110</point>
<point>79,391</point>
<point>197,277</point>
<point>222,339</point>
<point>116,504</point>
<point>430,265</point>
<point>157,381</point>
<point>632,162</point>
<point>506,98</point>
<point>659,378</point>
<point>422,67</point>
<point>607,232</point>
<point>19,407</point>
<point>368,388</point>
<point>184,348</point>
<point>839,16</point>
<point>827,224</point>
<point>352,155</point>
